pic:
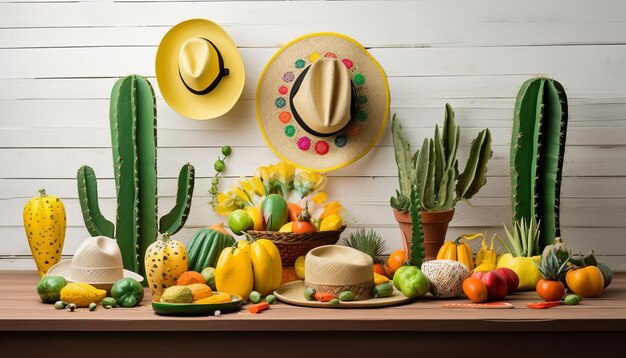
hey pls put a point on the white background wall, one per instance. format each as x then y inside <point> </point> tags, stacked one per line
<point>58,61</point>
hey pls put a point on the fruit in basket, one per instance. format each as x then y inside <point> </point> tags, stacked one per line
<point>81,294</point>
<point>165,261</point>
<point>299,266</point>
<point>177,294</point>
<point>287,227</point>
<point>475,289</point>
<point>294,211</point>
<point>274,211</point>
<point>586,281</point>
<point>550,288</point>
<point>205,246</point>
<point>233,273</point>
<point>411,281</point>
<point>303,224</point>
<point>49,288</point>
<point>368,242</point>
<point>44,222</point>
<point>255,215</point>
<point>289,275</point>
<point>331,222</point>
<point>239,221</point>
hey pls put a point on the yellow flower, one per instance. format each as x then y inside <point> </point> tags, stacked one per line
<point>332,208</point>
<point>254,189</point>
<point>319,198</point>
<point>226,203</point>
<point>307,182</point>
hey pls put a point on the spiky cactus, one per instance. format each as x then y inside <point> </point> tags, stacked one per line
<point>417,235</point>
<point>434,167</point>
<point>537,150</point>
<point>133,137</point>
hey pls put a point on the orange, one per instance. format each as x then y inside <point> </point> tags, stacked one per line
<point>189,278</point>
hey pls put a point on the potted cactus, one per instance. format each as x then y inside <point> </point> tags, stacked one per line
<point>433,169</point>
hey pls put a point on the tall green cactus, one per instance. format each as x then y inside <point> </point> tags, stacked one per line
<point>133,137</point>
<point>434,167</point>
<point>537,150</point>
<point>417,234</point>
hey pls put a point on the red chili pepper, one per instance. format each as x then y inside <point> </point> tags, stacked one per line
<point>541,305</point>
<point>259,307</point>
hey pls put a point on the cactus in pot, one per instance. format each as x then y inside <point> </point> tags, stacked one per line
<point>433,169</point>
<point>133,136</point>
<point>537,150</point>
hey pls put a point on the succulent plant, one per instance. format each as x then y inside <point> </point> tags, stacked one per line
<point>551,268</point>
<point>133,136</point>
<point>434,167</point>
<point>537,149</point>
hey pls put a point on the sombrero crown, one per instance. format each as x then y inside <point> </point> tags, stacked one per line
<point>322,102</point>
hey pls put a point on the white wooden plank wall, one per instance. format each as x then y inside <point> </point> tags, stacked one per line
<point>58,61</point>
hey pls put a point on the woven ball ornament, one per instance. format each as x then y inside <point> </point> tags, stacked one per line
<point>446,277</point>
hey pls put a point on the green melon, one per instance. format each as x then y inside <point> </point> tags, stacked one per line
<point>205,246</point>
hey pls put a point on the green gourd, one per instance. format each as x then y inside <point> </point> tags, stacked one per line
<point>205,246</point>
<point>537,149</point>
<point>133,138</point>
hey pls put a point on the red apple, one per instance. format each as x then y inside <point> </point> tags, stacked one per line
<point>496,285</point>
<point>512,280</point>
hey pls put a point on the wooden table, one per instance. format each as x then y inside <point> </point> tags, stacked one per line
<point>29,328</point>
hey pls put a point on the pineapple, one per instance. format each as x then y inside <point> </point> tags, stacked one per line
<point>367,241</point>
<point>550,288</point>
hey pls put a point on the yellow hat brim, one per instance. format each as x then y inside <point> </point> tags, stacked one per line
<point>224,96</point>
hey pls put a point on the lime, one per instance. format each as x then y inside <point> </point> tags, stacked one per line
<point>239,221</point>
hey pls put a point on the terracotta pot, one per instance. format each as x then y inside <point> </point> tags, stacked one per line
<point>435,226</point>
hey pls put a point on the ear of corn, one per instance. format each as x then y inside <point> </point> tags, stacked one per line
<point>133,138</point>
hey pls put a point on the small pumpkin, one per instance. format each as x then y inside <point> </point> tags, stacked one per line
<point>205,246</point>
<point>585,282</point>
<point>165,260</point>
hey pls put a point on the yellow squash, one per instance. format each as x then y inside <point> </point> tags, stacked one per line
<point>458,251</point>
<point>165,261</point>
<point>267,267</point>
<point>233,272</point>
<point>44,222</point>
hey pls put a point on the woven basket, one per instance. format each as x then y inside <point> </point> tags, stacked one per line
<point>291,245</point>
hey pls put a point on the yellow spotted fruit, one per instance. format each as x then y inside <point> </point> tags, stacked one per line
<point>44,222</point>
<point>165,260</point>
<point>82,294</point>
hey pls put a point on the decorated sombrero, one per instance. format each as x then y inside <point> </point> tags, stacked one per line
<point>322,102</point>
<point>199,69</point>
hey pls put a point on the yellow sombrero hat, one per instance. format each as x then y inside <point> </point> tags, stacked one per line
<point>322,102</point>
<point>199,69</point>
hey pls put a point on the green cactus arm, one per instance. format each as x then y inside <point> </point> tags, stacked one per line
<point>474,175</point>
<point>524,151</point>
<point>440,160</point>
<point>451,137</point>
<point>146,167</point>
<point>417,234</point>
<point>123,118</point>
<point>404,160</point>
<point>175,219</point>
<point>428,197</point>
<point>550,164</point>
<point>562,138</point>
<point>96,223</point>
